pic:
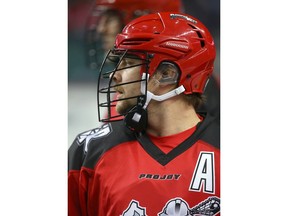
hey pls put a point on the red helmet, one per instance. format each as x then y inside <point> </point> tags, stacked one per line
<point>158,39</point>
<point>173,37</point>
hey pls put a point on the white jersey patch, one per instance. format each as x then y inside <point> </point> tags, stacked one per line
<point>104,130</point>
<point>134,209</point>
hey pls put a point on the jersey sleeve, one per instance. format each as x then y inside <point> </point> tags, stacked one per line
<point>81,163</point>
<point>77,192</point>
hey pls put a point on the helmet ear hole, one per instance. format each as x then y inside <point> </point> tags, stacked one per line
<point>167,73</point>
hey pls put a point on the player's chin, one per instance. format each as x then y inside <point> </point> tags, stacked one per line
<point>123,107</point>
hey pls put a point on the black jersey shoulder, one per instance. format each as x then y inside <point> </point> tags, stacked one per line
<point>210,130</point>
<point>90,145</point>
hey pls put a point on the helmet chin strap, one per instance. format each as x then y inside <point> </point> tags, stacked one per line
<point>162,97</point>
<point>137,118</point>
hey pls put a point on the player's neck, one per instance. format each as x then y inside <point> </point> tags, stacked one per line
<point>170,117</point>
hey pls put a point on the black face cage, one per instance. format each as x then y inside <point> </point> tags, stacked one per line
<point>106,95</point>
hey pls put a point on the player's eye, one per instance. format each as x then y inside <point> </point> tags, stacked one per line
<point>123,64</point>
<point>114,59</point>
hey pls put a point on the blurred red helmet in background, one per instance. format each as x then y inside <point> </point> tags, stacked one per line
<point>108,17</point>
<point>131,9</point>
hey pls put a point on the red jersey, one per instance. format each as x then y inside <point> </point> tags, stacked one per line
<point>116,172</point>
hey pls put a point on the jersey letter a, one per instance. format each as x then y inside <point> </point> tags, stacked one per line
<point>204,174</point>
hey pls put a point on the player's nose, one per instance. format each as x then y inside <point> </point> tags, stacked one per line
<point>115,77</point>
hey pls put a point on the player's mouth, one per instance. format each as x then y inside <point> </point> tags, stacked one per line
<point>119,96</point>
<point>119,93</point>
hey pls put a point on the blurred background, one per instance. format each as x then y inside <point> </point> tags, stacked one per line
<point>92,27</point>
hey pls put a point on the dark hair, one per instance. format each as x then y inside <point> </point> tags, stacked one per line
<point>195,99</point>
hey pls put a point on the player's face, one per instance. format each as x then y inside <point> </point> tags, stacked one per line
<point>108,27</point>
<point>128,90</point>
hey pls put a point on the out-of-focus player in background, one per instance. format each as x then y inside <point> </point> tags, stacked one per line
<point>108,17</point>
<point>163,158</point>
